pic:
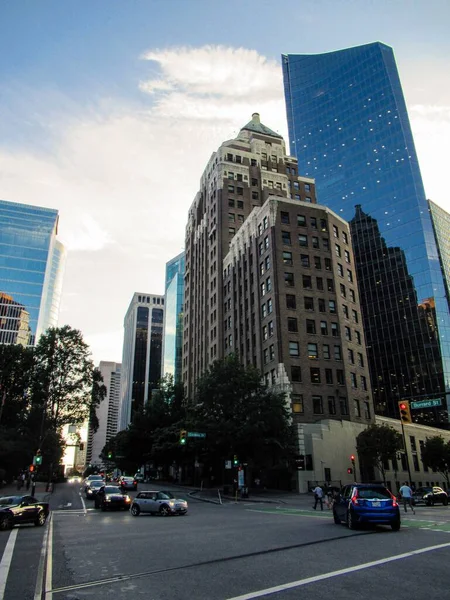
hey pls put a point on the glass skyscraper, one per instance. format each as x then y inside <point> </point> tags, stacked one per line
<point>173,317</point>
<point>31,272</point>
<point>350,131</point>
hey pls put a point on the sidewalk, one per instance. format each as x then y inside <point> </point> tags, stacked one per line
<point>304,501</point>
<point>10,489</point>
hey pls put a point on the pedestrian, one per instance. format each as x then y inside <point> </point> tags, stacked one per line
<point>318,497</point>
<point>406,494</point>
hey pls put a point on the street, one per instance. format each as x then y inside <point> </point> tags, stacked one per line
<point>224,552</point>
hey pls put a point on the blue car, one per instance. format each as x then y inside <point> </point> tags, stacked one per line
<point>360,503</point>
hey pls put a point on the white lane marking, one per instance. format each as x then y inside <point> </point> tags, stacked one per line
<point>308,580</point>
<point>49,567</point>
<point>41,566</point>
<point>289,514</point>
<point>6,561</point>
<point>83,503</point>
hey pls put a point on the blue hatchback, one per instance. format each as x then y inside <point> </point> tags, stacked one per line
<point>366,503</point>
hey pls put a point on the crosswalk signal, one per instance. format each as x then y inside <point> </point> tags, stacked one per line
<point>349,471</point>
<point>405,411</point>
<point>183,437</point>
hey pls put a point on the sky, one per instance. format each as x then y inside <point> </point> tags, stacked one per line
<point>110,110</point>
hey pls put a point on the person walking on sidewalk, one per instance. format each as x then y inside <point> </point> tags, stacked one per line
<point>406,494</point>
<point>318,497</point>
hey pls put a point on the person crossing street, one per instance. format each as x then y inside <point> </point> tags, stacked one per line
<point>407,494</point>
<point>318,496</point>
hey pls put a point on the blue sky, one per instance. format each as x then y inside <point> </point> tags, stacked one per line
<point>91,127</point>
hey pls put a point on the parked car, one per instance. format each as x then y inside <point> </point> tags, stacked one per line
<point>15,510</point>
<point>128,483</point>
<point>111,496</point>
<point>366,503</point>
<point>158,502</point>
<point>93,487</point>
<point>430,496</point>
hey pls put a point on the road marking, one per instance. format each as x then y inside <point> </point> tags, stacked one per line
<point>284,513</point>
<point>49,567</point>
<point>6,561</point>
<point>41,567</point>
<point>83,503</point>
<point>308,580</point>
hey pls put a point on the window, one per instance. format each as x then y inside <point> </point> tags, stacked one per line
<point>329,376</point>
<point>240,191</point>
<point>360,359</point>
<point>352,295</point>
<point>292,324</point>
<point>315,242</point>
<point>266,242</point>
<point>240,204</point>
<point>331,405</point>
<point>326,351</point>
<point>263,288</point>
<point>319,283</point>
<point>231,230</point>
<point>330,285</point>
<point>326,244</point>
<point>335,232</point>
<point>296,373</point>
<point>304,259</point>
<point>289,279</point>
<point>270,328</point>
<point>263,311</point>
<point>358,337</point>
<point>267,263</point>
<point>357,407</point>
<point>317,405</point>
<point>313,223</point>
<point>313,351</point>
<point>230,188</point>
<point>315,375</point>
<point>307,187</point>
<point>254,181</point>
<point>353,380</point>
<point>303,240</point>
<point>347,256</point>
<point>309,303</point>
<point>261,268</point>
<point>367,410</point>
<point>310,326</point>
<point>340,377</point>
<point>261,248</point>
<point>343,290</point>
<point>317,262</point>
<point>230,157</point>
<point>323,225</point>
<point>238,159</point>
<point>297,403</point>
<point>307,282</point>
<point>240,218</point>
<point>238,176</point>
<point>323,327</point>
<point>297,196</point>
<point>269,306</point>
<point>290,301</point>
<point>255,195</point>
<point>335,329</point>
<point>349,276</point>
<point>327,264</point>
<point>287,258</point>
<point>348,334</point>
<point>266,355</point>
<point>345,237</point>
<point>343,404</point>
<point>301,221</point>
<point>286,238</point>
<point>285,218</point>
<point>345,310</point>
<point>231,203</point>
<point>264,332</point>
<point>321,303</point>
<point>351,356</point>
<point>253,162</point>
<point>269,284</point>
<point>294,349</point>
<point>265,223</point>
<point>337,353</point>
<point>355,316</point>
<point>340,270</point>
<point>364,383</point>
<point>332,306</point>
<point>272,352</point>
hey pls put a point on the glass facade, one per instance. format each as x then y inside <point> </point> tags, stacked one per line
<point>31,271</point>
<point>173,326</point>
<point>350,131</point>
<point>441,225</point>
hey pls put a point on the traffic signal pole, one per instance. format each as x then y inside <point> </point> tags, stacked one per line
<point>405,417</point>
<point>406,452</point>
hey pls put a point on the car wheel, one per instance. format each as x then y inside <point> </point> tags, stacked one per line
<point>395,525</point>
<point>445,502</point>
<point>41,518</point>
<point>6,523</point>
<point>135,510</point>
<point>164,511</point>
<point>336,518</point>
<point>351,523</point>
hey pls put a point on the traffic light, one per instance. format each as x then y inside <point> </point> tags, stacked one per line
<point>110,454</point>
<point>31,468</point>
<point>37,459</point>
<point>183,437</point>
<point>235,460</point>
<point>405,411</point>
<point>352,458</point>
<point>349,471</point>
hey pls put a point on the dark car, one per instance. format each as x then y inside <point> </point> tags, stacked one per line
<point>430,496</point>
<point>111,497</point>
<point>128,483</point>
<point>93,487</point>
<point>15,510</point>
<point>90,479</point>
<point>360,503</point>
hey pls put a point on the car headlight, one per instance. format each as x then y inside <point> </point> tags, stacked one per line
<point>171,503</point>
<point>127,499</point>
<point>108,499</point>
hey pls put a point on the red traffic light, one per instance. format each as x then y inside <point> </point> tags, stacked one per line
<point>352,458</point>
<point>349,471</point>
<point>402,406</point>
<point>31,468</point>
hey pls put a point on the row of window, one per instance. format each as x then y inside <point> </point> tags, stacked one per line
<point>309,304</point>
<point>317,402</point>
<point>314,222</point>
<point>327,376</point>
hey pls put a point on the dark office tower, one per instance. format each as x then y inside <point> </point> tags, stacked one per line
<point>239,177</point>
<point>349,129</point>
<point>142,354</point>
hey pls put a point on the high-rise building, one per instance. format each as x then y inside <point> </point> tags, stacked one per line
<point>31,272</point>
<point>441,226</point>
<point>349,129</point>
<point>107,412</point>
<point>142,354</point>
<point>173,318</point>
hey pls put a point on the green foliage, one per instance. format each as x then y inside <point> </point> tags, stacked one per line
<point>378,444</point>
<point>436,455</point>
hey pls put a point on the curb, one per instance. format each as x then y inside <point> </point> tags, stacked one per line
<point>194,493</point>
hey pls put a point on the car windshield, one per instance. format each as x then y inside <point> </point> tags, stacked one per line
<point>423,490</point>
<point>95,478</point>
<point>374,493</point>
<point>9,500</point>
<point>128,479</point>
<point>96,484</point>
<point>111,489</point>
<point>166,496</point>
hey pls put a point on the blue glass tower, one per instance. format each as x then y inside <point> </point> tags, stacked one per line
<point>173,324</point>
<point>31,271</point>
<point>350,130</point>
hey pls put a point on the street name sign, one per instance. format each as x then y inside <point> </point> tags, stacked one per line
<point>196,434</point>
<point>426,403</point>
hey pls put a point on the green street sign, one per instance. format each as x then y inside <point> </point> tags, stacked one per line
<point>426,403</point>
<point>196,434</point>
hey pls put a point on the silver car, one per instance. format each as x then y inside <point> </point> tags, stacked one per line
<point>162,503</point>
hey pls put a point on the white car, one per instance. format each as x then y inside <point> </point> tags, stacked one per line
<point>162,503</point>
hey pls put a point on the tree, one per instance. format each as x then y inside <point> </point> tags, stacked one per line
<point>16,367</point>
<point>436,455</point>
<point>377,444</point>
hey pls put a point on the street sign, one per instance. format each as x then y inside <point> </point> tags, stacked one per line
<point>196,434</point>
<point>426,403</point>
<point>228,464</point>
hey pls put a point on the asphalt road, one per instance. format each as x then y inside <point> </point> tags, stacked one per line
<point>221,552</point>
